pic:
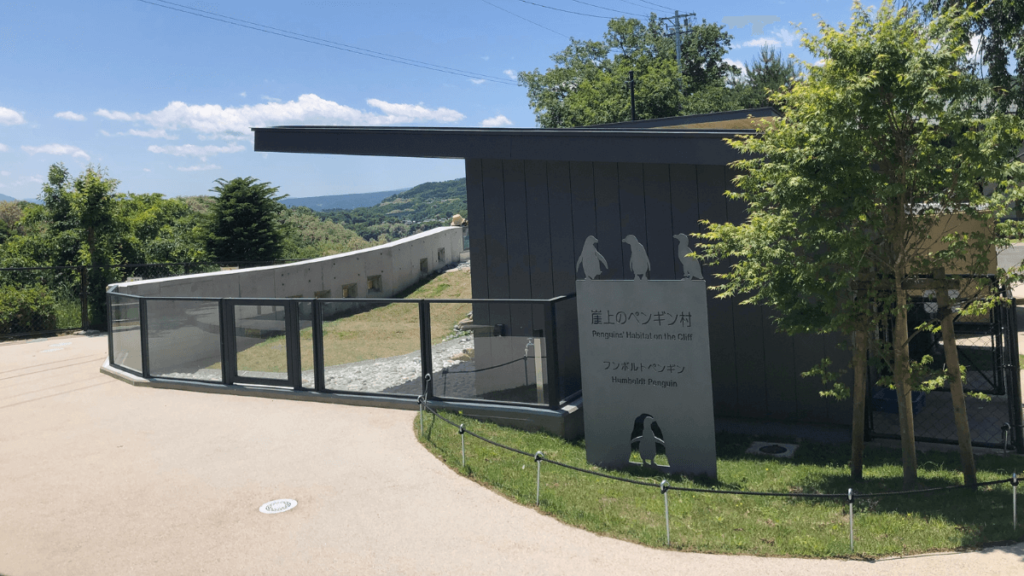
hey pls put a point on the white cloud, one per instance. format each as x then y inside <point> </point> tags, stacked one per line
<point>782,37</point>
<point>242,94</point>
<point>787,37</point>
<point>477,81</point>
<point>112,115</point>
<point>271,99</point>
<point>485,57</point>
<point>10,117</point>
<point>4,173</point>
<point>820,62</point>
<point>69,115</point>
<point>191,150</point>
<point>57,150</point>
<point>146,170</point>
<point>738,64</point>
<point>198,168</point>
<point>511,74</point>
<point>155,133</point>
<point>3,148</point>
<point>758,42</point>
<point>496,122</point>
<point>215,121</point>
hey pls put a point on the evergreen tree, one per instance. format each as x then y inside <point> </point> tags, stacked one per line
<point>244,221</point>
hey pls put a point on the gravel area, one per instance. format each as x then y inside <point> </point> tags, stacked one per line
<point>396,374</point>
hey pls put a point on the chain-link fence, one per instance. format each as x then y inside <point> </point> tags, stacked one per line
<point>37,301</point>
<point>987,351</point>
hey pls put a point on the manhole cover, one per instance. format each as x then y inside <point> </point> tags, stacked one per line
<point>278,506</point>
<point>772,449</point>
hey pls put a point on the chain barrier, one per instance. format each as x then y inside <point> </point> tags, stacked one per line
<point>849,496</point>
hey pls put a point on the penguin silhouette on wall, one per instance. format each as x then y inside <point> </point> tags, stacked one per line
<point>638,261</point>
<point>647,442</point>
<point>691,266</point>
<point>590,259</point>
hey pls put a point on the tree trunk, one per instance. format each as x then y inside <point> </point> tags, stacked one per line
<point>956,385</point>
<point>901,377</point>
<point>860,385</point>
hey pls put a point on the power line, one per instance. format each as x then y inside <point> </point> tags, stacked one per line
<point>610,9</point>
<point>527,19</point>
<point>645,6</point>
<point>658,5</point>
<point>563,10</point>
<point>166,4</point>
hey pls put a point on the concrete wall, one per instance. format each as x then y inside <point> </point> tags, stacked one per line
<point>397,263</point>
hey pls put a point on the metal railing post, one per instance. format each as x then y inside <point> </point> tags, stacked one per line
<point>554,380</point>
<point>426,350</point>
<point>143,335</point>
<point>110,329</point>
<point>319,375</point>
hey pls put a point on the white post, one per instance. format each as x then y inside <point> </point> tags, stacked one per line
<point>668,529</point>
<point>849,495</point>
<point>538,457</point>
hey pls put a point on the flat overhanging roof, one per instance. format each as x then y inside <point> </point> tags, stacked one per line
<point>621,144</point>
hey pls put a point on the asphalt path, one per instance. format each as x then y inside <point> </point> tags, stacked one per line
<point>100,477</point>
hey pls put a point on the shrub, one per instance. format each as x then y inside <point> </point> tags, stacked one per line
<point>27,309</point>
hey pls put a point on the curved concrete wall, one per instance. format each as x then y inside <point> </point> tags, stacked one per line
<point>398,264</point>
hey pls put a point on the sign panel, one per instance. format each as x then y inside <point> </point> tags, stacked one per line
<point>646,370</point>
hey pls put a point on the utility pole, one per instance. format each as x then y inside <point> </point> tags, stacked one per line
<point>632,98</point>
<point>677,31</point>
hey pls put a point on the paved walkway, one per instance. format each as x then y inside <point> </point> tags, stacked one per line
<point>99,477</point>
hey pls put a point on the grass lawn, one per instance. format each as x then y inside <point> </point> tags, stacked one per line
<point>381,332</point>
<point>728,524</point>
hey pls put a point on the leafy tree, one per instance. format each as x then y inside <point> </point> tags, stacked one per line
<point>876,149</point>
<point>587,85</point>
<point>1000,27</point>
<point>244,221</point>
<point>94,202</point>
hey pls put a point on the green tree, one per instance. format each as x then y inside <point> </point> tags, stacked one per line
<point>1000,29</point>
<point>768,72</point>
<point>245,221</point>
<point>587,84</point>
<point>876,149</point>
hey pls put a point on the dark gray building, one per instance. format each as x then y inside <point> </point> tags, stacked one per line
<point>535,195</point>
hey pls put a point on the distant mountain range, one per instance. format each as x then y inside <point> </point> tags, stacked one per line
<point>417,209</point>
<point>6,198</point>
<point>341,201</point>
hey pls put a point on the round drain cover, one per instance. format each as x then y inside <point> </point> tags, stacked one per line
<point>278,506</point>
<point>772,449</point>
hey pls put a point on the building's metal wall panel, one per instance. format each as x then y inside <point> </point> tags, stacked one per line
<point>544,211</point>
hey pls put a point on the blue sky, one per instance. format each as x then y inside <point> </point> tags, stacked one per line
<point>163,100</point>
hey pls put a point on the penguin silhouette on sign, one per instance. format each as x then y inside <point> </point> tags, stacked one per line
<point>691,266</point>
<point>638,261</point>
<point>647,442</point>
<point>590,259</point>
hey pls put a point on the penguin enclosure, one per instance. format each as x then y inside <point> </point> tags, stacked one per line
<point>538,198</point>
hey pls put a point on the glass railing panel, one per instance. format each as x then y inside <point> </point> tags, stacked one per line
<point>126,333</point>
<point>184,339</point>
<point>372,347</point>
<point>260,341</point>
<point>489,352</point>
